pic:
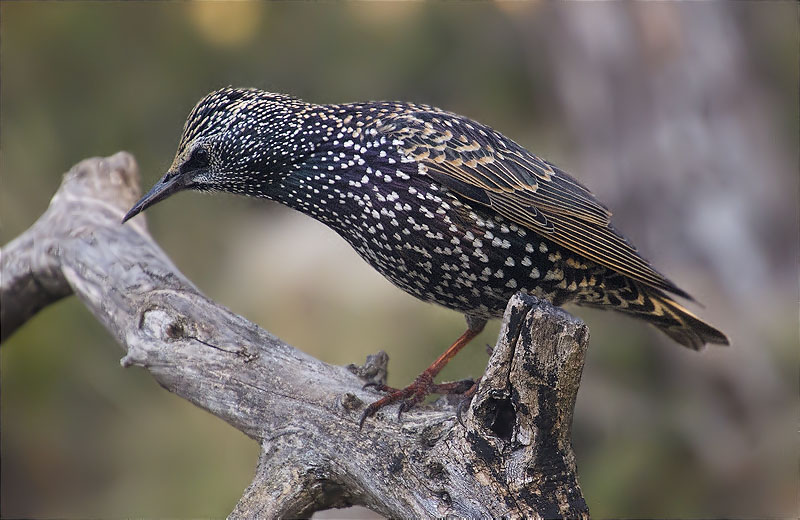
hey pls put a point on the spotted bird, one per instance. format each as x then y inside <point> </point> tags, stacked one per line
<point>446,208</point>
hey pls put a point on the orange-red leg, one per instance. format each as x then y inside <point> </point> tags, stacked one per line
<point>423,384</point>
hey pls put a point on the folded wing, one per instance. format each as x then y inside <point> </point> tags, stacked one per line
<point>487,168</point>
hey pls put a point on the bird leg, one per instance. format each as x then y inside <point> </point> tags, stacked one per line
<point>423,384</point>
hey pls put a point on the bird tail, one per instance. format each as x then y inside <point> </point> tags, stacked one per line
<point>671,318</point>
<point>684,327</point>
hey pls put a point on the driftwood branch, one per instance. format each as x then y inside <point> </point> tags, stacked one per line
<point>512,457</point>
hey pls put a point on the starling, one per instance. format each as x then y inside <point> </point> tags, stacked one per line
<point>448,209</point>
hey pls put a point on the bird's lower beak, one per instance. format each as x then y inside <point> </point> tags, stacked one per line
<point>169,184</point>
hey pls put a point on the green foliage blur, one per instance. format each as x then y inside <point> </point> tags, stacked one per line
<point>82,437</point>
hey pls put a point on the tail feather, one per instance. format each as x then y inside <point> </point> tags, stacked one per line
<point>659,309</point>
<point>686,328</point>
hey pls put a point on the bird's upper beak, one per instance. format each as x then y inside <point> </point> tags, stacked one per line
<point>171,183</point>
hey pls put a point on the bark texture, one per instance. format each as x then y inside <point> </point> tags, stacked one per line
<point>511,457</point>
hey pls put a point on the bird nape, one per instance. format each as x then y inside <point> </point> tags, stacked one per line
<point>448,209</point>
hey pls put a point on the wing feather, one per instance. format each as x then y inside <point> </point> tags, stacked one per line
<point>483,166</point>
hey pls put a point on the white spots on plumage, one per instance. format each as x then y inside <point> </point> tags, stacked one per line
<point>554,274</point>
<point>406,226</point>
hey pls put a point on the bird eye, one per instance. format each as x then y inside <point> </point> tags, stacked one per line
<point>199,157</point>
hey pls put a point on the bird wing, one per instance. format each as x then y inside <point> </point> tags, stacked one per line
<point>486,167</point>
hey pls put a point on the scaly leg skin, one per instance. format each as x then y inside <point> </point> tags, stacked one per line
<point>423,384</point>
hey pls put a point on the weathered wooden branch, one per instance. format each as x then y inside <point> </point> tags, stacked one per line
<point>512,457</point>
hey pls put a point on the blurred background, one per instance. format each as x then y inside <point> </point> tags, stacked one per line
<point>683,118</point>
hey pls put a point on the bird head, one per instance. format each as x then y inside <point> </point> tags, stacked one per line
<point>234,140</point>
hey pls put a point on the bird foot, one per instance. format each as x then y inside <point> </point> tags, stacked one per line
<point>414,394</point>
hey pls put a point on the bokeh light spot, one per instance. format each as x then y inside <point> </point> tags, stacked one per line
<point>226,24</point>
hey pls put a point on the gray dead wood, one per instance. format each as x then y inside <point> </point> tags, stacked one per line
<point>512,457</point>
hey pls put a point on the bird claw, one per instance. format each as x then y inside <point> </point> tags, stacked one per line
<point>414,393</point>
<point>409,396</point>
<point>407,405</point>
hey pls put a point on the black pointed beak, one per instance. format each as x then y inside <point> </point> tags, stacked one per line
<point>169,184</point>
